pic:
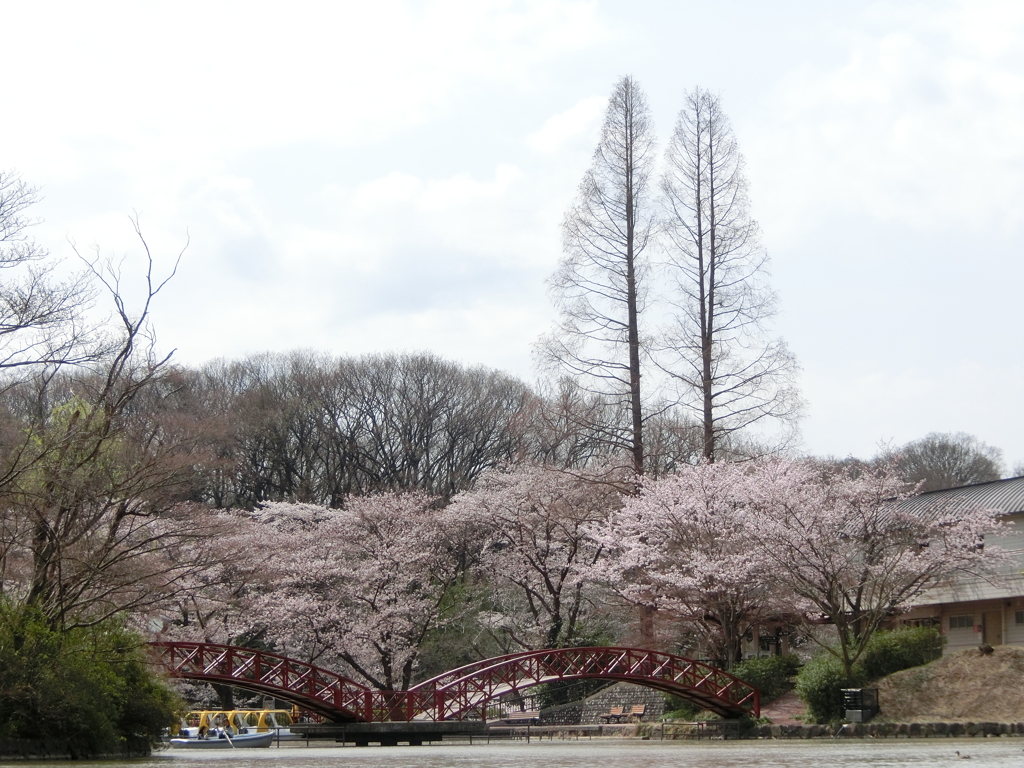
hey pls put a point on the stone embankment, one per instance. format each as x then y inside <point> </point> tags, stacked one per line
<point>594,709</point>
<point>730,730</point>
<point>887,730</point>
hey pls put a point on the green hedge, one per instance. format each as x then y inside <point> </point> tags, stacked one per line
<point>770,674</point>
<point>821,680</point>
<point>890,652</point>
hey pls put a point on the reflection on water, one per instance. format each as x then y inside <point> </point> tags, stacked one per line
<point>984,753</point>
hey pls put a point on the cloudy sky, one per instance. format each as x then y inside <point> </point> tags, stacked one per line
<point>391,175</point>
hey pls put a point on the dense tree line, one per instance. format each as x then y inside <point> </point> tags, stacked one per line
<point>936,461</point>
<point>310,428</point>
<point>305,427</point>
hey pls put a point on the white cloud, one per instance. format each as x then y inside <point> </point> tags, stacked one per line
<point>475,334</point>
<point>229,200</point>
<point>923,124</point>
<point>234,74</point>
<point>462,191</point>
<point>394,188</point>
<point>858,407</point>
<point>578,121</point>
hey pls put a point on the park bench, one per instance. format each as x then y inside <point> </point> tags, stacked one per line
<point>527,716</point>
<point>615,713</point>
<point>637,712</point>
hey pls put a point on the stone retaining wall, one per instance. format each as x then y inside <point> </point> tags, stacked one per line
<point>564,714</point>
<point>887,730</point>
<point>589,710</point>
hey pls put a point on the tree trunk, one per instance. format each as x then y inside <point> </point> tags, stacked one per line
<point>226,694</point>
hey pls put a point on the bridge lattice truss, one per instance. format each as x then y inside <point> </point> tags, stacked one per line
<point>459,694</point>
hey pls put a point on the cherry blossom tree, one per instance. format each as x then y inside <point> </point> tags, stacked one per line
<point>536,550</point>
<point>214,603</point>
<point>851,549</point>
<point>684,547</point>
<point>363,585</point>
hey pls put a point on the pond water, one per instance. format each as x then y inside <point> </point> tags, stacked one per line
<point>984,753</point>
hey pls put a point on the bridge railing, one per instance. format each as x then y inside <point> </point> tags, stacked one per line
<point>470,686</point>
<point>312,687</point>
<point>459,694</point>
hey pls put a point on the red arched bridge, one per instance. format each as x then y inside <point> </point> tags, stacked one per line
<point>462,693</point>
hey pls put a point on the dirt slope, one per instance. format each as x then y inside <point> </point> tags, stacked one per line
<point>966,686</point>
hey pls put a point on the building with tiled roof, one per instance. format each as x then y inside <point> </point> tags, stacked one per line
<point>974,610</point>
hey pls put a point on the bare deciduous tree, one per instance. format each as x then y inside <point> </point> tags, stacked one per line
<point>672,440</point>
<point>40,315</point>
<point>599,284</point>
<point>569,427</point>
<point>310,428</point>
<point>729,373</point>
<point>88,493</point>
<point>945,460</point>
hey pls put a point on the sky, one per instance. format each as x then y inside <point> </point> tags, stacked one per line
<point>355,177</point>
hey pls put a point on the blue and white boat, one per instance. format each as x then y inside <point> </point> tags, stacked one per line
<point>221,739</point>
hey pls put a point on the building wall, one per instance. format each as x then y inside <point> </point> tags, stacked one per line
<point>979,598</point>
<point>969,624</point>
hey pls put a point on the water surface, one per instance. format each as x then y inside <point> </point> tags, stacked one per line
<point>881,753</point>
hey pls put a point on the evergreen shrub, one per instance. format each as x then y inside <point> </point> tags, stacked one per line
<point>890,652</point>
<point>820,685</point>
<point>88,688</point>
<point>770,674</point>
<point>684,709</point>
<point>821,681</point>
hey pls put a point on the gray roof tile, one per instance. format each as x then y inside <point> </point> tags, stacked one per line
<point>1005,496</point>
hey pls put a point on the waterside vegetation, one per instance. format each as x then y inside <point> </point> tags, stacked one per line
<point>88,688</point>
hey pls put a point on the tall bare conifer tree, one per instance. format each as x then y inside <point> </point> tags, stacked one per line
<point>728,372</point>
<point>599,284</point>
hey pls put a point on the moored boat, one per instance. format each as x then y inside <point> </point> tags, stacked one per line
<point>223,740</point>
<point>276,721</point>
